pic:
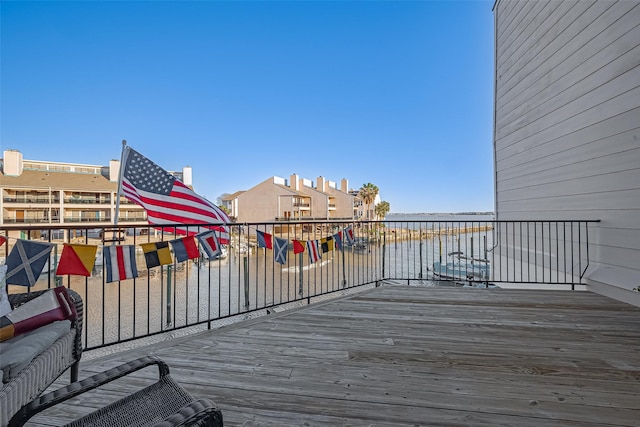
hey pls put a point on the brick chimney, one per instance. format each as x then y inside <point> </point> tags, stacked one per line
<point>321,184</point>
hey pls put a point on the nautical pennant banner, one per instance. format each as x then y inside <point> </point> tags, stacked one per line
<point>298,246</point>
<point>27,258</point>
<point>209,244</point>
<point>26,261</point>
<point>264,239</point>
<point>280,252</point>
<point>327,244</point>
<point>156,254</point>
<point>185,248</point>
<point>349,236</point>
<point>77,259</point>
<point>338,238</point>
<point>120,262</point>
<point>314,253</point>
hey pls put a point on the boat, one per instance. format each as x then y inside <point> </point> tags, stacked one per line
<point>202,262</point>
<point>462,267</point>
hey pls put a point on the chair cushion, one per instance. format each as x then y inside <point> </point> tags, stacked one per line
<point>19,351</point>
<point>5,305</point>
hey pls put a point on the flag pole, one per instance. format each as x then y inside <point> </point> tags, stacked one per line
<point>120,173</point>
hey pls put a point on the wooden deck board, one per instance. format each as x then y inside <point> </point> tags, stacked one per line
<point>406,356</point>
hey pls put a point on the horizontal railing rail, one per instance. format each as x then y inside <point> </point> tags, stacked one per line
<point>247,280</point>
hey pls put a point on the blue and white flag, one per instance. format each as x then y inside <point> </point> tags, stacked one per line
<point>209,244</point>
<point>280,250</point>
<point>26,261</point>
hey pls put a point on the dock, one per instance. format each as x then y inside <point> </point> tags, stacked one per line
<point>399,355</point>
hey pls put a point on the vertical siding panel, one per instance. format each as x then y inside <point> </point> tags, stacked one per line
<point>567,124</point>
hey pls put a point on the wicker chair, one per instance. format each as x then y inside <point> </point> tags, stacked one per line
<point>46,367</point>
<point>161,404</point>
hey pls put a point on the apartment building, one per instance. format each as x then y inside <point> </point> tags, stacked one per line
<point>41,192</point>
<point>279,199</point>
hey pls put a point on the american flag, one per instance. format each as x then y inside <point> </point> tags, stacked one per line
<point>167,200</point>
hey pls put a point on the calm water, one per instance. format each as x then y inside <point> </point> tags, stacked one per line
<point>191,293</point>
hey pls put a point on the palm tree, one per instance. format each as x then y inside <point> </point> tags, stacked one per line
<point>367,194</point>
<point>382,209</point>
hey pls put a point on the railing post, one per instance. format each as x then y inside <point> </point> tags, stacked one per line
<point>384,247</point>
<point>344,272</point>
<point>301,284</point>
<point>246,281</point>
<point>168,294</point>
<point>420,274</point>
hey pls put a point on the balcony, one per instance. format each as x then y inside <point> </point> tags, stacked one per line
<point>31,200</point>
<point>394,342</point>
<point>86,201</point>
<point>409,355</point>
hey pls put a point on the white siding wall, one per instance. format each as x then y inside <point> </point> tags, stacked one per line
<point>567,125</point>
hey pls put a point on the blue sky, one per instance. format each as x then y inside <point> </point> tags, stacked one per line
<point>399,94</point>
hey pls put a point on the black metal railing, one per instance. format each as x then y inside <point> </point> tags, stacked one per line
<point>31,199</point>
<point>247,280</point>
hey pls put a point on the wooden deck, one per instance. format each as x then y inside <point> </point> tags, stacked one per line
<point>408,356</point>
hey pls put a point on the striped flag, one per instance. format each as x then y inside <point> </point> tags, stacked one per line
<point>314,253</point>
<point>167,200</point>
<point>77,259</point>
<point>120,262</point>
<point>280,252</point>
<point>185,248</point>
<point>209,244</point>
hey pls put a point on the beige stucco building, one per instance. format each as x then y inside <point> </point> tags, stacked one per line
<point>38,192</point>
<point>279,199</point>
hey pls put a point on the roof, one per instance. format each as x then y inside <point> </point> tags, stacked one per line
<point>233,196</point>
<point>60,181</point>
